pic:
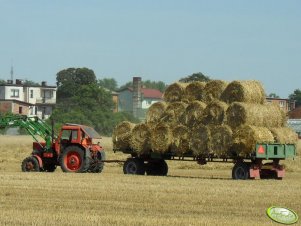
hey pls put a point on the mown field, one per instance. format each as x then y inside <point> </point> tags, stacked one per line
<point>190,195</point>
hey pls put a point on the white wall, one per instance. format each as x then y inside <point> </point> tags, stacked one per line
<point>147,102</point>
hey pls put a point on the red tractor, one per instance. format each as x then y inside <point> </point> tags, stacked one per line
<point>74,149</point>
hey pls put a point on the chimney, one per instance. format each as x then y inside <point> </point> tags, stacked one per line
<point>137,102</point>
<point>10,82</point>
<point>19,81</point>
<point>44,83</point>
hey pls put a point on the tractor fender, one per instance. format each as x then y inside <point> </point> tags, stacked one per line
<point>40,161</point>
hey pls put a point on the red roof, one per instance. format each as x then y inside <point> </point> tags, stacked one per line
<point>151,93</point>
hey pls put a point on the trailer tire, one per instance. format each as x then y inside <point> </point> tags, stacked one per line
<point>30,164</point>
<point>73,160</point>
<point>134,166</point>
<point>241,171</point>
<point>158,168</point>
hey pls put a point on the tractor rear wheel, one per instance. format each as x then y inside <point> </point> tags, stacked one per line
<point>73,160</point>
<point>134,166</point>
<point>30,164</point>
<point>241,171</point>
<point>158,168</point>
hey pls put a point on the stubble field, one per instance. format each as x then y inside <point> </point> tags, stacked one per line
<point>189,195</point>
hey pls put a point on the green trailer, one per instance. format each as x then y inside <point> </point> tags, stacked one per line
<point>263,162</point>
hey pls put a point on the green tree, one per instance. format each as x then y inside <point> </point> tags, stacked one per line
<point>159,85</point>
<point>2,82</point>
<point>195,77</point>
<point>108,83</point>
<point>296,96</point>
<point>30,83</point>
<point>273,95</point>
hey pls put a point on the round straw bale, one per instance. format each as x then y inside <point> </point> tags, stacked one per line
<point>215,113</point>
<point>244,91</point>
<point>245,139</point>
<point>181,137</point>
<point>263,115</point>
<point>175,92</point>
<point>194,90</point>
<point>122,134</point>
<point>174,112</point>
<point>194,113</point>
<point>221,140</point>
<point>213,90</point>
<point>284,135</point>
<point>140,141</point>
<point>161,138</point>
<point>155,112</point>
<point>200,140</point>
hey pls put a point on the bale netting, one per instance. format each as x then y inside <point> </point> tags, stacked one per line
<point>140,141</point>
<point>263,115</point>
<point>194,113</point>
<point>284,135</point>
<point>215,113</point>
<point>194,91</point>
<point>244,91</point>
<point>181,137</point>
<point>174,113</point>
<point>161,138</point>
<point>213,90</point>
<point>245,139</point>
<point>221,140</point>
<point>200,140</point>
<point>155,112</point>
<point>122,134</point>
<point>175,92</point>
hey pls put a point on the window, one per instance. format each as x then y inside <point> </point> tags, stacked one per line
<point>47,94</point>
<point>282,103</point>
<point>31,93</point>
<point>14,93</point>
<point>20,110</point>
<point>69,135</point>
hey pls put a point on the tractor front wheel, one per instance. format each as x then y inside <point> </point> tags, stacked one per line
<point>73,160</point>
<point>30,164</point>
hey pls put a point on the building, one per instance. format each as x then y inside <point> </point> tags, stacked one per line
<point>295,113</point>
<point>295,124</point>
<point>31,100</point>
<point>138,99</point>
<point>285,104</point>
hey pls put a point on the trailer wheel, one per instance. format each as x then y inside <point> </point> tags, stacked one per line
<point>241,171</point>
<point>30,164</point>
<point>134,166</point>
<point>73,160</point>
<point>159,168</point>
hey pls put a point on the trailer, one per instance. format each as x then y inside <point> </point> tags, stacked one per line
<point>263,162</point>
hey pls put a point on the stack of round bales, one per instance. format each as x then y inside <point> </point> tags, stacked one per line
<point>207,119</point>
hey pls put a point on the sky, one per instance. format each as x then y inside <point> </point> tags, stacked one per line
<point>159,40</point>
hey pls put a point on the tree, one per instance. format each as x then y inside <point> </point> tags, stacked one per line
<point>296,96</point>
<point>108,83</point>
<point>2,82</point>
<point>30,83</point>
<point>195,77</point>
<point>273,95</point>
<point>159,85</point>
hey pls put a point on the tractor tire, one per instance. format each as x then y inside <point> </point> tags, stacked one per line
<point>159,168</point>
<point>30,164</point>
<point>134,166</point>
<point>49,167</point>
<point>241,171</point>
<point>96,166</point>
<point>73,160</point>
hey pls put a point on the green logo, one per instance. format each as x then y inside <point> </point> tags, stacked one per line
<point>282,215</point>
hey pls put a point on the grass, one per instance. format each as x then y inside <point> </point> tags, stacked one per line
<point>190,195</point>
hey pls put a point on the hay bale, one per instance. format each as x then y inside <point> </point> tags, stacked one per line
<point>215,113</point>
<point>175,92</point>
<point>213,90</point>
<point>155,112</point>
<point>140,140</point>
<point>285,135</point>
<point>267,115</point>
<point>194,91</point>
<point>244,91</point>
<point>161,138</point>
<point>221,140</point>
<point>174,113</point>
<point>245,139</point>
<point>194,113</point>
<point>200,140</point>
<point>122,134</point>
<point>181,138</point>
